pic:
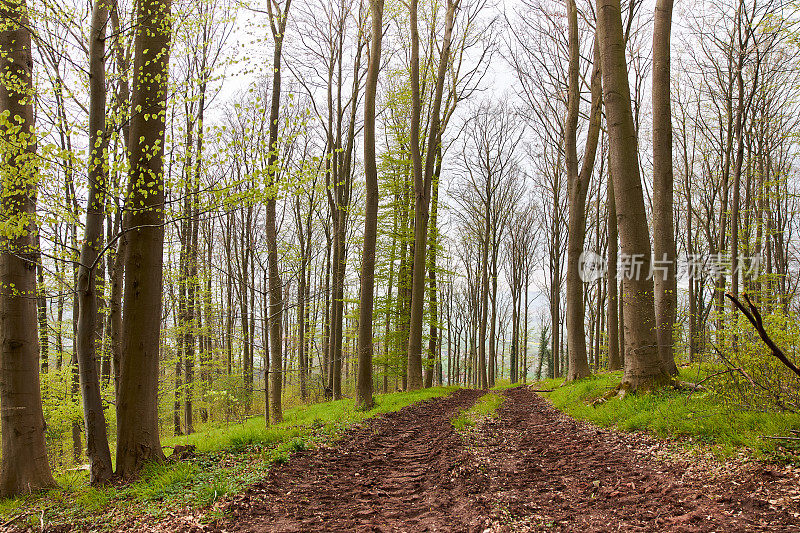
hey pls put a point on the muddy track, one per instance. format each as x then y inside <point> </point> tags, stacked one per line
<point>544,471</point>
<point>391,474</point>
<point>531,469</point>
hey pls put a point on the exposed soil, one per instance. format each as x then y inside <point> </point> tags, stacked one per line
<point>542,470</point>
<point>531,469</point>
<point>391,474</point>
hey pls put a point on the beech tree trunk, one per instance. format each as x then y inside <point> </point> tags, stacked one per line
<point>137,403</point>
<point>578,366</point>
<point>86,340</point>
<point>614,360</point>
<point>433,335</point>
<point>24,466</point>
<point>277,19</point>
<point>664,281</point>
<point>364,384</point>
<point>422,182</point>
<point>644,368</point>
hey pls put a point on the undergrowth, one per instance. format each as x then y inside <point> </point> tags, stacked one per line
<point>700,419</point>
<point>228,459</point>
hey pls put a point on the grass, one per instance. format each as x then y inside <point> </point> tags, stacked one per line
<point>503,384</point>
<point>702,419</point>
<point>486,407</point>
<point>229,459</point>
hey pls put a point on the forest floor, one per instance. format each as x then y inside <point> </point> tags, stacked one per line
<point>530,468</point>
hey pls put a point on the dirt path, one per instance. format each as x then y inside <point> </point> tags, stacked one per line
<point>392,474</point>
<point>532,469</point>
<point>546,471</point>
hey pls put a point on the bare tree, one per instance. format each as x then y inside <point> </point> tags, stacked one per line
<point>86,339</point>
<point>644,367</point>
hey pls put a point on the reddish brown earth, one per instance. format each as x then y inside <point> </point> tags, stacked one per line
<point>530,469</point>
<point>535,469</point>
<point>392,474</point>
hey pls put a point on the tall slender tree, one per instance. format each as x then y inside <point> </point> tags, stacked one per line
<point>86,339</point>
<point>423,179</point>
<point>664,279</point>
<point>277,21</point>
<point>365,341</point>
<point>644,368</point>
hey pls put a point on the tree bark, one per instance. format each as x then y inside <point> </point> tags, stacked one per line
<point>434,313</point>
<point>614,360</point>
<point>86,340</point>
<point>278,20</point>
<point>24,466</point>
<point>364,384</point>
<point>644,368</point>
<point>578,187</point>
<point>422,182</point>
<point>137,405</point>
<point>664,281</point>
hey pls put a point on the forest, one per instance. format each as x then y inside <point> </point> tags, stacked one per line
<point>368,241</point>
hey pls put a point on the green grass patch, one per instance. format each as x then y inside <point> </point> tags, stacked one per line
<point>486,407</point>
<point>503,384</point>
<point>700,418</point>
<point>228,460</point>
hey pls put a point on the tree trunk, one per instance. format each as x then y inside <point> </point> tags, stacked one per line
<point>432,244</point>
<point>644,368</point>
<point>86,340</point>
<point>578,187</point>
<point>614,361</point>
<point>576,336</point>
<point>664,279</point>
<point>422,182</point>
<point>365,345</point>
<point>24,455</point>
<point>278,24</point>
<point>137,405</point>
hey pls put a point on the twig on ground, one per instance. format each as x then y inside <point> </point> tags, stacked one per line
<point>11,520</point>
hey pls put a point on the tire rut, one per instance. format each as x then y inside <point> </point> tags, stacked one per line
<point>549,472</point>
<point>391,474</point>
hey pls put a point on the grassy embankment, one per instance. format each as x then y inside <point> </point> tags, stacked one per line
<point>703,420</point>
<point>228,460</point>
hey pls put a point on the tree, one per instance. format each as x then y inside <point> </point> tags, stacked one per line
<point>86,339</point>
<point>665,282</point>
<point>24,464</point>
<point>578,188</point>
<point>644,368</point>
<point>277,22</point>
<point>365,343</point>
<point>423,180</point>
<point>138,439</point>
<point>488,186</point>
